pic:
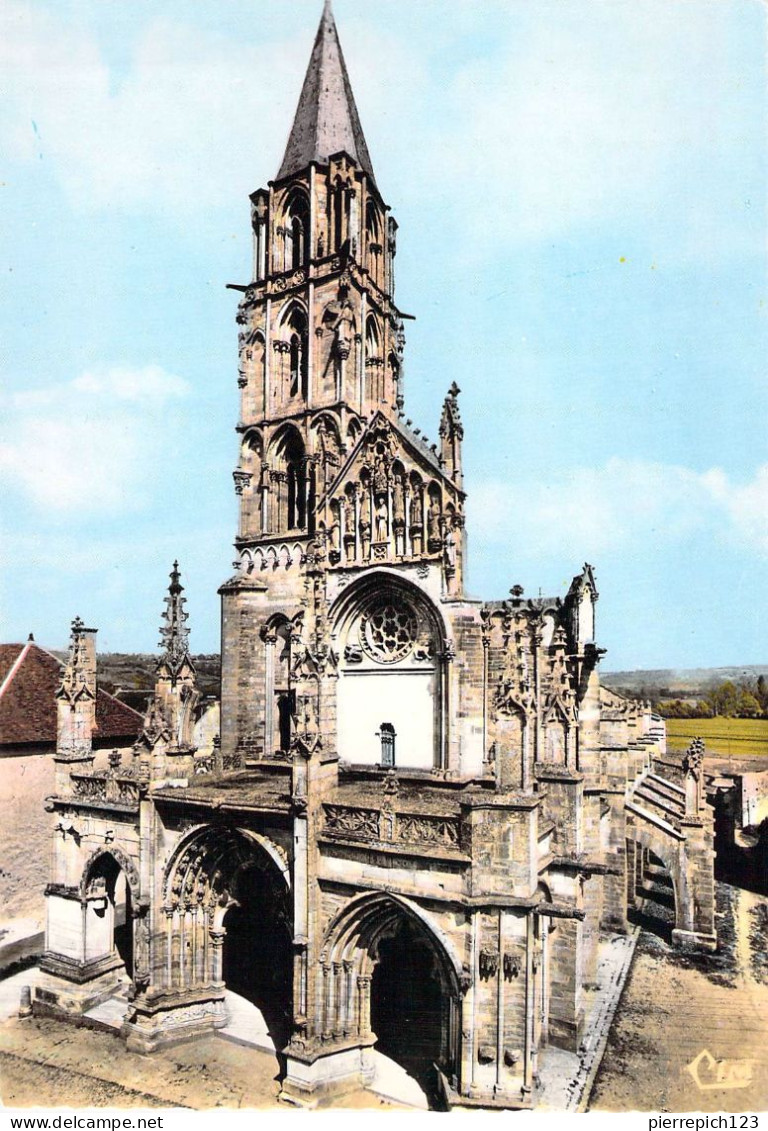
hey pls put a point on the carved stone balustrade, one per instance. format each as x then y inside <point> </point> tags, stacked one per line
<point>353,822</point>
<point>120,789</point>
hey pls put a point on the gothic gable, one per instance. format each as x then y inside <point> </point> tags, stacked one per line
<point>386,449</point>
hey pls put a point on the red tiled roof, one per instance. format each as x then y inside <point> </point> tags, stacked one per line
<point>28,703</point>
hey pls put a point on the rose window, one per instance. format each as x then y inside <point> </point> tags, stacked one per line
<point>388,632</point>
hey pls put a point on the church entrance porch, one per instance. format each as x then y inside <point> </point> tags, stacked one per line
<point>408,1009</point>
<point>387,987</point>
<point>257,958</point>
<point>225,923</point>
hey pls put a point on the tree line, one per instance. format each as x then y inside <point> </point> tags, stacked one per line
<point>742,699</point>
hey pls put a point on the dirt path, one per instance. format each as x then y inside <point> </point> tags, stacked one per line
<point>677,1006</point>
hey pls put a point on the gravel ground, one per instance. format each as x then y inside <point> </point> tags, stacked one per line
<point>677,1005</point>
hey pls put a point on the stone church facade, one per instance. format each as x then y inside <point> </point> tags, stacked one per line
<point>423,810</point>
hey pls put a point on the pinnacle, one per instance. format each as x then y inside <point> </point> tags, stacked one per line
<point>326,121</point>
<point>174,635</point>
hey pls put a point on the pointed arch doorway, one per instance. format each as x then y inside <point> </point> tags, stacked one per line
<point>390,980</point>
<point>257,961</point>
<point>408,1007</point>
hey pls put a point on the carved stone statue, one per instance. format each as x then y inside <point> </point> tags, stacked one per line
<point>433,522</point>
<point>345,332</point>
<point>365,512</point>
<point>398,503</point>
<point>381,520</point>
<point>450,549</point>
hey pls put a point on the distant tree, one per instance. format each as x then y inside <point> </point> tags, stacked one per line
<point>749,707</point>
<point>724,699</point>
<point>703,710</point>
<point>761,693</point>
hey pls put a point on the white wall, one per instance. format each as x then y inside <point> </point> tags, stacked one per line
<point>403,698</point>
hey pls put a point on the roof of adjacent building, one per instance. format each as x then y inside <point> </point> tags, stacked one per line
<point>327,121</point>
<point>29,678</point>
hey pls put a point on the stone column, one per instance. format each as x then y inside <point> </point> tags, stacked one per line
<point>364,1004</point>
<point>216,936</point>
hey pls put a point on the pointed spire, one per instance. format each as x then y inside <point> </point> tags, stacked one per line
<point>326,120</point>
<point>174,635</point>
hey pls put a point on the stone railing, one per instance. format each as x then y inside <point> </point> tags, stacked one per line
<point>364,824</point>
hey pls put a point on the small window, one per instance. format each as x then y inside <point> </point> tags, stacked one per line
<point>387,736</point>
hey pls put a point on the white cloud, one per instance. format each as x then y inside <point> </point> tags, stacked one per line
<point>588,113</point>
<point>180,132</point>
<point>92,444</point>
<point>624,506</point>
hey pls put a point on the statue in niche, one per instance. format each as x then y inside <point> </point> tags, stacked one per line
<point>334,533</point>
<point>398,502</point>
<point>433,523</point>
<point>365,512</point>
<point>380,478</point>
<point>381,519</point>
<point>345,331</point>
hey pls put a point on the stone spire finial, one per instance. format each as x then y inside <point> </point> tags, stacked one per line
<point>174,635</point>
<point>79,677</point>
<point>451,433</point>
<point>327,121</point>
<point>76,705</point>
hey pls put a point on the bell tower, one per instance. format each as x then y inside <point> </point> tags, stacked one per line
<point>333,481</point>
<point>321,339</point>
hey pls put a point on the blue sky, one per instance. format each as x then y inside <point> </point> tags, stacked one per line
<point>581,192</point>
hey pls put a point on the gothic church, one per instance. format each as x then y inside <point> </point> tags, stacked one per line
<point>422,811</point>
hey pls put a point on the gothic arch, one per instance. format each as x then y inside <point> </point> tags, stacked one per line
<point>123,862</point>
<point>357,977</point>
<point>670,852</point>
<point>383,579</point>
<point>359,925</point>
<point>294,326</point>
<point>393,678</point>
<point>252,449</point>
<point>216,870</point>
<point>287,458</point>
<point>296,227</point>
<point>279,691</point>
<point>373,361</point>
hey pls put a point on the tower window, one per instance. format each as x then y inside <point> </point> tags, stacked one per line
<point>297,232</point>
<point>298,352</point>
<point>387,736</point>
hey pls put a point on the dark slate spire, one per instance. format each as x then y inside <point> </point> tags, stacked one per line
<point>326,120</point>
<point>174,635</point>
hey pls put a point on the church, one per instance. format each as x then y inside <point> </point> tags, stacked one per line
<point>422,812</point>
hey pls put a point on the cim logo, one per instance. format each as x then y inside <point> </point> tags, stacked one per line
<point>711,1075</point>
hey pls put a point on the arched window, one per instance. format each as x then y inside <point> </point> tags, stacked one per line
<point>373,240</point>
<point>287,455</point>
<point>375,382</point>
<point>387,736</point>
<point>285,695</point>
<point>297,232</point>
<point>298,342</point>
<point>339,217</point>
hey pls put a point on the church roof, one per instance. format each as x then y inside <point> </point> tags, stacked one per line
<point>29,678</point>
<point>326,121</point>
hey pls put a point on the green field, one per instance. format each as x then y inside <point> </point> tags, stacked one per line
<point>738,738</point>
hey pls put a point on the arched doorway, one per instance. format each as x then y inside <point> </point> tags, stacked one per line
<point>257,961</point>
<point>388,976</point>
<point>108,912</point>
<point>408,1005</point>
<point>229,921</point>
